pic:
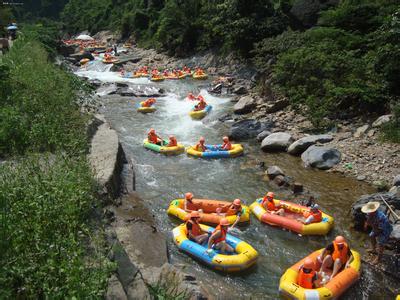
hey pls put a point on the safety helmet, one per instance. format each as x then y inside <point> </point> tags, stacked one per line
<point>224,222</point>
<point>237,202</point>
<point>202,139</point>
<point>339,240</point>
<point>152,130</point>
<point>270,194</point>
<point>225,139</point>
<point>171,137</point>
<point>308,263</point>
<point>188,195</point>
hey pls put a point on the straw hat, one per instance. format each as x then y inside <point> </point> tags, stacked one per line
<point>370,207</point>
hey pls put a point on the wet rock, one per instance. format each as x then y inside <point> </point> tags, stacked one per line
<point>78,56</point>
<point>263,135</point>
<point>360,131</point>
<point>247,129</point>
<point>361,177</point>
<point>276,106</point>
<point>297,187</point>
<point>278,141</point>
<point>381,120</point>
<point>107,89</point>
<point>95,83</point>
<point>279,180</point>
<point>380,185</point>
<point>359,216</point>
<point>395,190</point>
<point>396,180</point>
<point>240,90</point>
<point>244,105</point>
<point>216,89</point>
<point>122,84</point>
<point>139,91</point>
<point>274,171</point>
<point>321,157</point>
<point>302,144</point>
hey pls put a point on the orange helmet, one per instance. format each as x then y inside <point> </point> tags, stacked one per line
<point>237,202</point>
<point>152,130</point>
<point>202,139</point>
<point>194,214</point>
<point>188,196</point>
<point>225,139</point>
<point>339,240</point>
<point>224,222</point>
<point>172,138</point>
<point>270,194</point>
<point>308,263</point>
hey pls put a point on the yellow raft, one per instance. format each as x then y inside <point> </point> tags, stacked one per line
<point>214,152</point>
<point>244,257</point>
<point>84,61</point>
<point>146,110</point>
<point>176,208</point>
<point>200,76</point>
<point>288,286</point>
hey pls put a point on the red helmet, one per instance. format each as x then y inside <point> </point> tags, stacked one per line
<point>308,263</point>
<point>152,130</point>
<point>225,139</point>
<point>270,194</point>
<point>339,240</point>
<point>189,196</point>
<point>171,137</point>
<point>224,222</point>
<point>237,202</point>
<point>202,139</point>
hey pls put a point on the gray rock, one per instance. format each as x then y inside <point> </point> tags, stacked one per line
<point>360,131</point>
<point>395,190</point>
<point>361,177</point>
<point>263,135</point>
<point>280,180</point>
<point>274,171</point>
<point>244,105</point>
<point>380,185</point>
<point>277,105</point>
<point>396,232</point>
<point>302,144</point>
<point>381,120</point>
<point>396,180</point>
<point>240,90</point>
<point>321,157</point>
<point>247,129</point>
<point>297,187</point>
<point>278,141</point>
<point>115,290</point>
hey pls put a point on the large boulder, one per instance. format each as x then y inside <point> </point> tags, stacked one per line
<point>247,129</point>
<point>277,105</point>
<point>302,144</point>
<point>263,135</point>
<point>321,157</point>
<point>273,171</point>
<point>360,131</point>
<point>381,120</point>
<point>277,141</point>
<point>244,105</point>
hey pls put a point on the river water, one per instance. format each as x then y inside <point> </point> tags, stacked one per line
<point>159,179</point>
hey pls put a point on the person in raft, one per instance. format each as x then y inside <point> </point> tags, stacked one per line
<point>149,102</point>
<point>226,146</point>
<point>335,257</point>
<point>307,277</point>
<point>201,105</point>
<point>269,204</point>
<point>217,239</point>
<point>153,138</point>
<point>200,146</point>
<point>381,229</point>
<point>193,229</point>
<point>188,205</point>
<point>312,216</point>
<point>235,208</point>
<point>172,141</point>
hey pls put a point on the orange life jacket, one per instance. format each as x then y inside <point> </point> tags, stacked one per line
<point>226,146</point>
<point>223,234</point>
<point>191,206</point>
<point>317,216</point>
<point>147,103</point>
<point>305,279</point>
<point>200,147</point>
<point>341,254</point>
<point>233,211</point>
<point>201,105</point>
<point>152,137</point>
<point>196,230</point>
<point>270,204</point>
<point>172,143</point>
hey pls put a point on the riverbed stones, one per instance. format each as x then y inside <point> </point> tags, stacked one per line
<point>302,144</point>
<point>263,135</point>
<point>248,128</point>
<point>244,105</point>
<point>276,105</point>
<point>360,131</point>
<point>396,180</point>
<point>240,90</point>
<point>321,157</point>
<point>273,171</point>
<point>381,120</point>
<point>277,141</point>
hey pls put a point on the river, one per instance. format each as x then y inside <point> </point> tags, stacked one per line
<point>160,179</point>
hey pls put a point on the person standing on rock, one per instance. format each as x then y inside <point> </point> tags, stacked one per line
<point>381,229</point>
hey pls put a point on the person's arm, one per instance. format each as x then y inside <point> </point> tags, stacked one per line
<point>309,220</point>
<point>189,229</point>
<point>236,221</point>
<point>351,258</point>
<point>185,207</point>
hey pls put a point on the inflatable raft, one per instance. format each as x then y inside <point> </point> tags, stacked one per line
<point>288,286</point>
<point>245,255</point>
<point>157,78</point>
<point>110,61</point>
<point>84,61</point>
<point>214,152</point>
<point>209,207</point>
<point>146,110</point>
<point>164,149</point>
<point>200,76</point>
<point>289,220</point>
<point>200,114</point>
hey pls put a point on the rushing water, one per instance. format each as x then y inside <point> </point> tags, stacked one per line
<point>159,179</point>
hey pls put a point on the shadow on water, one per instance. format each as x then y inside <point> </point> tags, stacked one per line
<point>160,179</point>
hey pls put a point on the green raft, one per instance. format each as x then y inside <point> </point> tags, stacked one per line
<point>164,149</point>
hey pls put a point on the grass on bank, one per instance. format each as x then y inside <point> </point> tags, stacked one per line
<point>51,246</point>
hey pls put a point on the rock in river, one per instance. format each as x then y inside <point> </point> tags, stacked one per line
<point>321,157</point>
<point>247,129</point>
<point>277,141</point>
<point>302,144</point>
<point>244,105</point>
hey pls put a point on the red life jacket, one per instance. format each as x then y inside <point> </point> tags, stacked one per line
<point>270,204</point>
<point>201,105</point>
<point>152,137</point>
<point>196,230</point>
<point>305,279</point>
<point>226,146</point>
<point>341,254</point>
<point>232,210</point>
<point>172,143</point>
<point>147,103</point>
<point>223,234</point>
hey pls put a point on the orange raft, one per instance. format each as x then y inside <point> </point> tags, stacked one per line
<point>288,286</point>
<point>208,207</point>
<point>289,220</point>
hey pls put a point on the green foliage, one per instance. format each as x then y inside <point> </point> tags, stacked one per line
<point>391,130</point>
<point>45,235</point>
<point>37,108</point>
<point>6,17</point>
